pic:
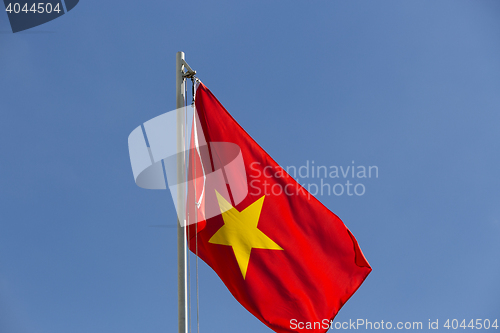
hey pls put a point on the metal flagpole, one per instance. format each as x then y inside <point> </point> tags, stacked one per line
<point>182,72</point>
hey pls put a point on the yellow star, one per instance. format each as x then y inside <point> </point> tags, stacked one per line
<point>240,231</point>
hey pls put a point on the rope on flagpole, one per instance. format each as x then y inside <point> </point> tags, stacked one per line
<point>193,78</point>
<point>186,170</point>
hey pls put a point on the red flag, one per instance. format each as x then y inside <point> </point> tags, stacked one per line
<point>281,253</point>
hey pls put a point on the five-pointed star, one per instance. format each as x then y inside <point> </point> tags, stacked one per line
<point>240,231</point>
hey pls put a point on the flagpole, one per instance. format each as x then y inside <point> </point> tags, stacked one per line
<point>181,232</point>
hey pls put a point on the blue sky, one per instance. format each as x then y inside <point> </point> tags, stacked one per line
<point>410,87</point>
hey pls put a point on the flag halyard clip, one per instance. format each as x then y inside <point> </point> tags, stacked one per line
<point>189,73</point>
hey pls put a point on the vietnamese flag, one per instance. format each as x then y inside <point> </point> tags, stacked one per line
<point>281,253</point>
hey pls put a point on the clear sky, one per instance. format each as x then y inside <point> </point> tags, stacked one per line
<point>409,87</point>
